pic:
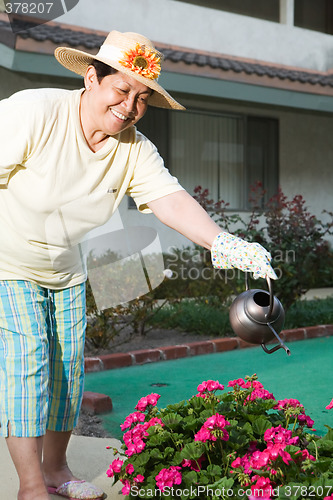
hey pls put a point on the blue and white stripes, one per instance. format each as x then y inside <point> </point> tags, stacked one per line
<point>41,357</point>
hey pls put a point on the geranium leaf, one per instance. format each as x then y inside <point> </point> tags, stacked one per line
<point>214,470</point>
<point>323,464</point>
<point>142,458</point>
<point>156,439</point>
<point>169,452</point>
<point>172,420</point>
<point>329,434</point>
<point>193,451</point>
<point>177,459</point>
<point>224,482</point>
<point>247,428</point>
<point>190,423</point>
<point>156,453</point>
<point>177,407</point>
<point>260,425</point>
<point>190,477</point>
<point>196,403</point>
<point>325,446</point>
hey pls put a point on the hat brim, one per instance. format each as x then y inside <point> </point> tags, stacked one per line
<point>78,62</point>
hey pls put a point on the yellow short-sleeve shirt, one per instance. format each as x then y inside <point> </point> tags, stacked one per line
<point>54,189</point>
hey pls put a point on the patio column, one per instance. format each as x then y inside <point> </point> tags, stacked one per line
<point>287,12</point>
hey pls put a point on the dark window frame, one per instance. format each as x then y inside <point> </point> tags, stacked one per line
<point>258,9</point>
<point>270,153</point>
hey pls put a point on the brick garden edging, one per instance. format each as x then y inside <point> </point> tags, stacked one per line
<point>96,403</point>
<point>120,360</point>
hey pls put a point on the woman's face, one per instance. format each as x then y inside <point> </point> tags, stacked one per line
<point>116,103</point>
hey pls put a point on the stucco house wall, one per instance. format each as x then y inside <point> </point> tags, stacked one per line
<point>201,28</point>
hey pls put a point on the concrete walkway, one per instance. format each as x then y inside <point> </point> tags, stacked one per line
<point>87,457</point>
<point>318,293</point>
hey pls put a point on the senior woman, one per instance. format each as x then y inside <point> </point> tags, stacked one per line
<point>66,160</point>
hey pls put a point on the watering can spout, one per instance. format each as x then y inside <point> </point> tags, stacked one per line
<point>270,351</point>
<point>281,345</point>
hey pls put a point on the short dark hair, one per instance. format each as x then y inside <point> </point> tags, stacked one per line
<point>102,70</point>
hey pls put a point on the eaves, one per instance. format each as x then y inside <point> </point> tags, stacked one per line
<point>184,70</point>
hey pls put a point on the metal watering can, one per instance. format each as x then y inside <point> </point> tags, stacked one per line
<point>256,316</point>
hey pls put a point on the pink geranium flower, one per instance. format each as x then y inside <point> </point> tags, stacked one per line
<point>204,435</point>
<point>115,467</point>
<point>213,428</point>
<point>214,385</point>
<point>129,469</point>
<point>278,451</point>
<point>153,421</point>
<point>305,419</point>
<point>134,438</point>
<point>259,459</point>
<point>193,464</point>
<point>259,393</point>
<point>150,400</point>
<point>168,477</point>
<point>304,455</point>
<point>288,403</point>
<point>281,436</point>
<point>209,386</point>
<point>329,407</point>
<point>262,488</point>
<point>254,383</point>
<point>131,419</point>
<point>242,463</point>
<point>251,497</point>
<point>239,381</point>
<point>126,490</point>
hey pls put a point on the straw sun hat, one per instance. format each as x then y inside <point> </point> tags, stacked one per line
<point>130,53</point>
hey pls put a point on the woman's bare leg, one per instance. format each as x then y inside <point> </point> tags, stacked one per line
<point>55,467</point>
<point>26,453</point>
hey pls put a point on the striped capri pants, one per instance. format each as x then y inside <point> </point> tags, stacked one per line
<point>42,334</point>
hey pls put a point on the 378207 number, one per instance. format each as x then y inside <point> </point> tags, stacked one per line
<point>308,491</point>
<point>28,7</point>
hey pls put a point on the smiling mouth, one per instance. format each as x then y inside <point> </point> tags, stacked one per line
<point>119,115</point>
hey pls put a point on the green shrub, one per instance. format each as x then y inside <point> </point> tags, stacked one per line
<point>207,318</point>
<point>302,257</point>
<point>196,317</point>
<point>310,313</point>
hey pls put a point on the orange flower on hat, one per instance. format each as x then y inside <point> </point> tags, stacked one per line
<point>143,61</point>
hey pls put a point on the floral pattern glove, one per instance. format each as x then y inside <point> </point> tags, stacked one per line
<point>229,252</point>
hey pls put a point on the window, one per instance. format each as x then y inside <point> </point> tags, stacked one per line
<point>222,152</point>
<point>316,15</point>
<point>262,9</point>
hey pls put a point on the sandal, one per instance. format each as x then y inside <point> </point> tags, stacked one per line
<point>77,490</point>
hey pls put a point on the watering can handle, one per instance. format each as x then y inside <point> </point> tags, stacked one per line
<point>270,289</point>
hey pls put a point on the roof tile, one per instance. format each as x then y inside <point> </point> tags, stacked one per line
<point>92,41</point>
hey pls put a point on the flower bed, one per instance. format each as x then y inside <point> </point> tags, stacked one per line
<point>237,444</point>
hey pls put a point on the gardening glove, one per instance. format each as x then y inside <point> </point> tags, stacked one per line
<point>229,252</point>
